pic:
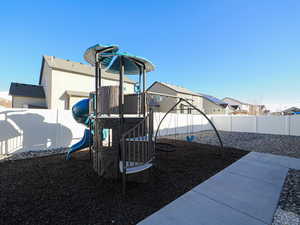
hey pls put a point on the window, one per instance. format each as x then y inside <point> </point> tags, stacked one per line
<point>181,108</point>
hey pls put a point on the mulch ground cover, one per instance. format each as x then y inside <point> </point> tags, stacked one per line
<point>51,190</point>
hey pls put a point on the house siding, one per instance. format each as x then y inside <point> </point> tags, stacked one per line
<point>198,101</point>
<point>46,83</point>
<point>22,102</point>
<point>212,108</point>
<point>158,88</point>
<point>63,80</point>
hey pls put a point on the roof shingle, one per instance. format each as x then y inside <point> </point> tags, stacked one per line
<point>26,90</point>
<point>76,67</point>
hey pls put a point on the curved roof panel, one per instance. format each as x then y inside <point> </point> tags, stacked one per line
<point>90,53</point>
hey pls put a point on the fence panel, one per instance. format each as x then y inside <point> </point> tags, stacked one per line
<point>294,125</point>
<point>70,131</point>
<point>39,129</point>
<point>243,124</point>
<point>222,122</point>
<point>272,124</point>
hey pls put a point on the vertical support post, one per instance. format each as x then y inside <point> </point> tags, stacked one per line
<point>144,91</point>
<point>139,93</point>
<point>123,152</point>
<point>121,114</point>
<point>97,80</point>
<point>96,134</point>
<point>98,128</point>
<point>121,96</point>
<point>121,89</point>
<point>150,137</point>
<point>90,146</point>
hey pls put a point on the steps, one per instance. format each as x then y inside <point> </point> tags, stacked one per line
<point>137,147</point>
<point>134,167</point>
<point>138,139</point>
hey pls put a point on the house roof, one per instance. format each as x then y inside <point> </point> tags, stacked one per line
<point>26,90</point>
<point>176,88</point>
<point>240,103</point>
<point>76,67</point>
<point>291,109</point>
<point>77,93</point>
<point>183,90</point>
<point>232,99</point>
<point>214,99</point>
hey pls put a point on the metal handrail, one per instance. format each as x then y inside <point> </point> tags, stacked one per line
<point>131,143</point>
<point>137,152</point>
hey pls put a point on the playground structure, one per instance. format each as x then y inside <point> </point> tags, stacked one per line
<point>121,125</point>
<point>120,132</point>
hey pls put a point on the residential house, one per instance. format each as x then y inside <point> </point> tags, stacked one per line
<point>291,111</point>
<point>62,83</point>
<point>244,108</point>
<point>164,96</point>
<point>27,96</point>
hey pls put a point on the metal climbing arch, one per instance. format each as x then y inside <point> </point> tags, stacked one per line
<point>195,108</point>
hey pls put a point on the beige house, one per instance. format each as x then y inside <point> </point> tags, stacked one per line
<point>27,96</point>
<point>244,108</point>
<point>164,96</point>
<point>62,83</point>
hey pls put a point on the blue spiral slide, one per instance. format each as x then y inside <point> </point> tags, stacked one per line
<point>80,112</point>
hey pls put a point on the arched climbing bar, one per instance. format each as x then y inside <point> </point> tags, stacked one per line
<point>202,113</point>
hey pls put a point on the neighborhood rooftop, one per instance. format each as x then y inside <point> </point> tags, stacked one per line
<point>234,100</point>
<point>76,67</point>
<point>179,89</point>
<point>184,90</point>
<point>28,90</point>
<point>213,99</point>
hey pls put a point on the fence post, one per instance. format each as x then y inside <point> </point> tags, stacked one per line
<point>289,124</point>
<point>58,130</point>
<point>256,124</point>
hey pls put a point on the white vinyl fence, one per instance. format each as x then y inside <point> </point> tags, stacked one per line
<point>40,129</point>
<point>37,129</point>
<point>284,125</point>
<point>186,123</point>
<point>179,123</point>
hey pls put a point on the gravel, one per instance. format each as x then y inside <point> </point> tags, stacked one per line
<point>269,143</point>
<point>283,217</point>
<point>288,211</point>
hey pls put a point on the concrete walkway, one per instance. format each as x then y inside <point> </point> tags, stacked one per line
<point>245,193</point>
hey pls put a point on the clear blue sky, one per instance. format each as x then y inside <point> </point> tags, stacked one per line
<point>249,50</point>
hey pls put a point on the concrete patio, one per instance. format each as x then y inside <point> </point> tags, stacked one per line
<point>246,192</point>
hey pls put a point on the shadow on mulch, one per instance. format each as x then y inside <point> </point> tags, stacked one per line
<point>51,190</point>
